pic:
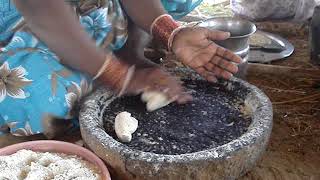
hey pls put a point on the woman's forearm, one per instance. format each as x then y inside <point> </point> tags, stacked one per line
<point>151,16</point>
<point>53,22</point>
<point>144,12</point>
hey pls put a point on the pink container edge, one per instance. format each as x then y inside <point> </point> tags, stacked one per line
<point>59,147</point>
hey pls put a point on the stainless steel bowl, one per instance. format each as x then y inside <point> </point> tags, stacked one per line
<point>239,29</point>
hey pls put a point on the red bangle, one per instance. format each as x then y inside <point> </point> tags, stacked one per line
<point>114,75</point>
<point>162,29</point>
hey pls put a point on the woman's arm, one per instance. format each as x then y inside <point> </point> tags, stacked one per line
<point>55,24</point>
<point>144,12</point>
<point>193,46</point>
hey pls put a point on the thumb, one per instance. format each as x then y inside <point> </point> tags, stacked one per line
<point>217,35</point>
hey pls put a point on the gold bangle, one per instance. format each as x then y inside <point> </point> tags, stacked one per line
<point>177,30</point>
<point>104,66</point>
<point>127,80</point>
<point>172,36</point>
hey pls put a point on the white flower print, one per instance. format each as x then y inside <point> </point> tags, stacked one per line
<point>5,128</point>
<point>12,82</point>
<point>76,92</point>
<point>26,131</point>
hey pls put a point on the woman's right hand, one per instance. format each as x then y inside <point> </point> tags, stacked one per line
<point>155,79</point>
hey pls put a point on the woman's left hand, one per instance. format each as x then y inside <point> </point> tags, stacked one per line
<point>194,47</point>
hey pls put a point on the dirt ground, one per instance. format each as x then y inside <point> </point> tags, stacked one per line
<point>294,148</point>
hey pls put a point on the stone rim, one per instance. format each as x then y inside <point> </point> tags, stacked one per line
<point>259,128</point>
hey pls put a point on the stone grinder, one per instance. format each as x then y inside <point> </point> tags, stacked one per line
<point>225,160</point>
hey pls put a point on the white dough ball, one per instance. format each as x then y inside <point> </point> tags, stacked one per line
<point>125,126</point>
<point>155,100</point>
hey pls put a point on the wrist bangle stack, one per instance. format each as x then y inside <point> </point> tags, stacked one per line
<point>164,28</point>
<point>115,74</point>
<point>104,66</point>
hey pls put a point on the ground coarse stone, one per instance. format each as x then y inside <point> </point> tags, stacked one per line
<point>212,119</point>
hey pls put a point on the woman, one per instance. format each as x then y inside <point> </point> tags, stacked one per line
<point>49,59</point>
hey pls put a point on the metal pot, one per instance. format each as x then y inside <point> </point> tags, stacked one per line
<point>239,29</point>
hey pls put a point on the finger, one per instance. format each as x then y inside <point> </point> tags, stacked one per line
<point>184,98</point>
<point>227,54</point>
<point>220,72</point>
<point>173,88</point>
<point>134,90</point>
<point>172,94</point>
<point>225,64</point>
<point>217,35</point>
<point>209,76</point>
<point>163,89</point>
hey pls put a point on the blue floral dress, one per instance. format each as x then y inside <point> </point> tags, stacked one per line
<point>33,82</point>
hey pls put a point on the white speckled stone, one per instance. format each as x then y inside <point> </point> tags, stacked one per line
<point>228,161</point>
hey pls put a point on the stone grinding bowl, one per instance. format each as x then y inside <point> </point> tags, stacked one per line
<point>228,161</point>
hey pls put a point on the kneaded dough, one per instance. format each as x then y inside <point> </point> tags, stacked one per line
<point>125,125</point>
<point>155,100</point>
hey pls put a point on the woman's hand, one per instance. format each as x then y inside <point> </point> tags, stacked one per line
<point>155,79</point>
<point>194,47</point>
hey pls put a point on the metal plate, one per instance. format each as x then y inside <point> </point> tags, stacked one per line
<point>258,56</point>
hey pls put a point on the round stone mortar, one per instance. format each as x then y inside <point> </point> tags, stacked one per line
<point>228,161</point>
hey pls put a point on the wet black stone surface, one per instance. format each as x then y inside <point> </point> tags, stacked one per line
<point>212,119</point>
